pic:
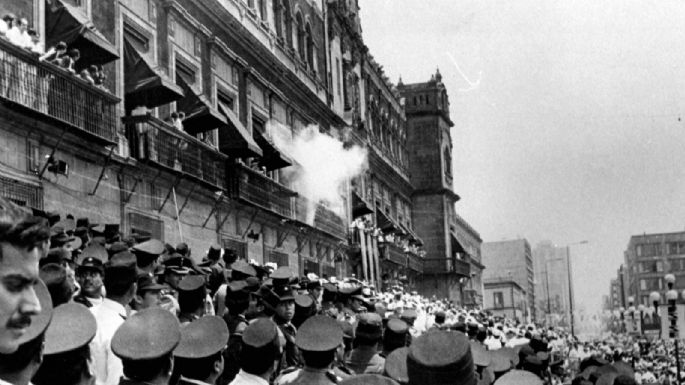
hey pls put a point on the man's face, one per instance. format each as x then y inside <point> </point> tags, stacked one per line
<point>286,310</point>
<point>150,298</point>
<point>173,279</point>
<point>317,293</point>
<point>90,281</point>
<point>18,300</point>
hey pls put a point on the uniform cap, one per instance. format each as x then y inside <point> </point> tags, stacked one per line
<point>72,327</point>
<point>519,377</point>
<point>283,273</point>
<point>85,222</point>
<point>94,250</point>
<point>148,334</point>
<point>367,379</point>
<point>303,301</point>
<point>152,247</point>
<point>244,268</point>
<point>409,314</point>
<point>500,360</point>
<point>179,264</point>
<point>397,326</point>
<point>369,326</point>
<point>319,334</point>
<point>148,283</point>
<point>259,333</point>
<point>57,255</point>
<point>67,225</point>
<point>191,283</point>
<point>91,262</point>
<point>202,338</point>
<point>439,357</point>
<point>74,244</point>
<point>396,365</point>
<point>253,284</point>
<point>480,355</point>
<point>284,293</point>
<point>117,247</point>
<point>40,321</point>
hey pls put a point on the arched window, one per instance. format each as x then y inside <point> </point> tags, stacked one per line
<point>287,18</point>
<point>300,47</point>
<point>448,161</point>
<point>309,46</point>
<point>278,17</point>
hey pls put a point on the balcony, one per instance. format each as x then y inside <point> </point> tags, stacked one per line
<point>256,189</point>
<point>415,262</point>
<point>393,253</point>
<point>447,266</point>
<point>152,140</point>
<point>320,217</point>
<point>47,90</point>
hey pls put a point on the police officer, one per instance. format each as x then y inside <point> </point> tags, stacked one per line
<point>90,272</point>
<point>147,255</point>
<point>260,350</point>
<point>237,302</point>
<point>191,298</point>
<point>145,343</point>
<point>65,353</point>
<point>317,339</point>
<point>364,358</point>
<point>197,358</point>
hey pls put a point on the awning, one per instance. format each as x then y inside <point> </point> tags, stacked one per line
<point>359,207</point>
<point>70,25</point>
<point>384,223</point>
<point>234,139</point>
<point>412,235</point>
<point>145,86</point>
<point>200,115</point>
<point>456,245</point>
<point>273,158</point>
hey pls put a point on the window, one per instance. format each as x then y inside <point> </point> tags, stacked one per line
<point>287,22</point>
<point>300,47</point>
<point>21,193</point>
<point>339,76</point>
<point>638,250</point>
<point>239,247</point>
<point>261,4</point>
<point>309,47</point>
<point>448,162</point>
<point>281,259</point>
<point>498,299</point>
<point>278,17</point>
<point>186,71</point>
<point>146,225</point>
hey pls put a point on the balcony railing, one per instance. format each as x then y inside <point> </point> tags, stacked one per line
<point>259,190</point>
<point>447,266</point>
<point>49,90</point>
<point>320,217</point>
<point>394,253</point>
<point>415,262</point>
<point>153,140</point>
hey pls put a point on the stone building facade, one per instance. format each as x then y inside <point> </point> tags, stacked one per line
<point>245,73</point>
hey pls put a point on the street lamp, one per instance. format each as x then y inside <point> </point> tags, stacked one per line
<point>671,297</point>
<point>570,288</point>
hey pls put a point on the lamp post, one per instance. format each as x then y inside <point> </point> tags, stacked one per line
<point>671,297</point>
<point>655,298</point>
<point>570,285</point>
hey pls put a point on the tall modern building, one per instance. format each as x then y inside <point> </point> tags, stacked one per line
<point>648,258</point>
<point>511,261</point>
<point>552,294</point>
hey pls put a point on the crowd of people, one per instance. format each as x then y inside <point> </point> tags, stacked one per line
<point>80,303</point>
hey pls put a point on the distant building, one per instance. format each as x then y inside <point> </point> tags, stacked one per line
<point>504,298</point>
<point>551,283</point>
<point>508,261</point>
<point>648,258</point>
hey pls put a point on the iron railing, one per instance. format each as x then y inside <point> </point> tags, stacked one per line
<point>415,262</point>
<point>260,190</point>
<point>52,91</point>
<point>153,140</point>
<point>447,266</point>
<point>320,217</point>
<point>394,253</point>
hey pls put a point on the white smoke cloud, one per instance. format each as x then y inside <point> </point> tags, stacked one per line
<point>324,164</point>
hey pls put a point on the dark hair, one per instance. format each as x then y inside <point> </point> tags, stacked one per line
<point>118,281</point>
<point>318,360</point>
<point>196,368</point>
<point>74,53</point>
<point>146,370</point>
<point>440,318</point>
<point>22,357</point>
<point>236,306</point>
<point>61,45</point>
<point>64,368</point>
<point>258,361</point>
<point>20,229</point>
<point>55,278</point>
<point>190,301</point>
<point>361,340</point>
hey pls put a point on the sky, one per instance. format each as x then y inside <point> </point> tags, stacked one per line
<point>569,116</point>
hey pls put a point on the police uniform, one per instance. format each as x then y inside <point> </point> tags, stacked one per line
<point>192,287</point>
<point>260,337</point>
<point>92,257</point>
<point>199,340</point>
<point>147,335</point>
<point>317,334</point>
<point>365,359</point>
<point>236,324</point>
<point>148,252</point>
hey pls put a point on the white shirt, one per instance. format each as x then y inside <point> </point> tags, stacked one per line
<point>15,36</point>
<point>493,343</point>
<point>107,367</point>
<point>244,378</point>
<point>3,30</point>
